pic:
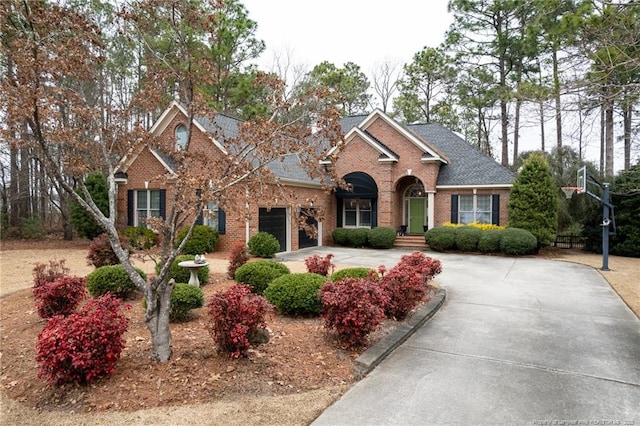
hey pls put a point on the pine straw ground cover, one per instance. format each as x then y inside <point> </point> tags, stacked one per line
<point>289,380</point>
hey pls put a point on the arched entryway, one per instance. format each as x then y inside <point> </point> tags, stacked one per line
<point>358,207</point>
<point>415,208</point>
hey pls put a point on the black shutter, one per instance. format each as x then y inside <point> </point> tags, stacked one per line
<point>163,203</point>
<point>495,209</point>
<point>374,212</point>
<point>130,207</point>
<point>222,221</point>
<point>454,208</point>
<point>339,206</point>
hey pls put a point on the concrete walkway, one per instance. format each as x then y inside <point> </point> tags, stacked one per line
<point>518,341</point>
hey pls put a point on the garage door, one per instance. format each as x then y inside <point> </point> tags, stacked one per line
<point>305,240</point>
<point>274,221</point>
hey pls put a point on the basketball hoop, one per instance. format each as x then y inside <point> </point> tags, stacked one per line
<point>569,190</point>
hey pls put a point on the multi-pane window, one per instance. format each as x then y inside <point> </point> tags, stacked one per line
<point>181,136</point>
<point>474,208</point>
<point>210,216</point>
<point>147,205</point>
<point>357,213</point>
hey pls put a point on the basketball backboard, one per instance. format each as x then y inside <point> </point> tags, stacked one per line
<point>581,179</point>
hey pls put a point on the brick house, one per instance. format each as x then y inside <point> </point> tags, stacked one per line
<point>409,177</point>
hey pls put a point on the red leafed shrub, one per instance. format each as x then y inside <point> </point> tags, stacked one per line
<point>234,316</point>
<point>84,346</point>
<point>319,265</point>
<point>44,273</point>
<point>59,297</point>
<point>407,283</point>
<point>101,253</point>
<point>239,256</point>
<point>354,308</point>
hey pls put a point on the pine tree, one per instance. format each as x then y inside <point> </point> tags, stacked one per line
<point>533,203</point>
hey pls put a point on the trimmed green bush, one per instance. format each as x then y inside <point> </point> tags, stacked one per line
<point>340,236</point>
<point>184,298</point>
<point>112,279</point>
<point>517,242</point>
<point>350,273</point>
<point>263,244</point>
<point>358,237</point>
<point>382,237</point>
<point>296,294</point>
<point>141,238</point>
<point>490,241</point>
<point>204,239</point>
<point>441,238</point>
<point>182,275</point>
<point>467,238</point>
<point>258,275</point>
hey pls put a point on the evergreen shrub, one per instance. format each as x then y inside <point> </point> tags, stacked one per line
<point>467,238</point>
<point>112,279</point>
<point>259,274</point>
<point>490,241</point>
<point>357,272</point>
<point>296,294</point>
<point>382,237</point>
<point>441,238</point>
<point>264,245</point>
<point>517,242</point>
<point>140,238</point>
<point>204,239</point>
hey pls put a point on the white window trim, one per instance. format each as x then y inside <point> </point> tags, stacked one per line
<point>475,208</point>
<point>136,221</point>
<point>357,225</point>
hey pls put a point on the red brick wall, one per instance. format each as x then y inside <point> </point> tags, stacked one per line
<point>443,203</point>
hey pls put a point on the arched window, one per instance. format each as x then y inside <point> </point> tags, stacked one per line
<point>181,136</point>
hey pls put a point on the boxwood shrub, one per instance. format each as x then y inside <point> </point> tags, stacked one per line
<point>113,279</point>
<point>490,241</point>
<point>296,294</point>
<point>259,274</point>
<point>382,237</point>
<point>263,244</point>
<point>441,238</point>
<point>184,298</point>
<point>350,273</point>
<point>340,236</point>
<point>467,238</point>
<point>204,239</point>
<point>182,275</point>
<point>517,241</point>
<point>358,237</point>
<point>140,238</point>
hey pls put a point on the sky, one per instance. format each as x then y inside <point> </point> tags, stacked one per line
<point>368,34</point>
<point>339,31</point>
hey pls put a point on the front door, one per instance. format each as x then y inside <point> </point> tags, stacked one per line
<point>416,215</point>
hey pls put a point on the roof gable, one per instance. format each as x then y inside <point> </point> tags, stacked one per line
<point>358,125</point>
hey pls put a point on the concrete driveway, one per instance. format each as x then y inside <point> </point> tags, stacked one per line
<point>518,341</point>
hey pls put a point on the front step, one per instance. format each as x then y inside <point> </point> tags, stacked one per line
<point>410,241</point>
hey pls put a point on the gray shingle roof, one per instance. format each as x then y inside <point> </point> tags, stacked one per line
<point>467,165</point>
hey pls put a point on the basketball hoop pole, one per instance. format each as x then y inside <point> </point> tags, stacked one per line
<point>606,220</point>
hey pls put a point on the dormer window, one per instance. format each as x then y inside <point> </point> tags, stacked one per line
<point>181,137</point>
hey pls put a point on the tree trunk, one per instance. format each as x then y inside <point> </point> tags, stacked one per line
<point>556,93</point>
<point>505,132</point>
<point>542,141</point>
<point>157,320</point>
<point>14,155</point>
<point>627,116</point>
<point>608,171</point>
<point>516,128</point>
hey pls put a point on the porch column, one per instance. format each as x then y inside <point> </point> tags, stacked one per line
<point>430,210</point>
